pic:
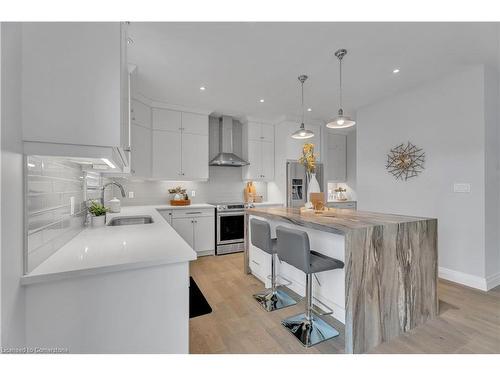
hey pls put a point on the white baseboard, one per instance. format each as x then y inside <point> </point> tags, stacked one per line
<point>493,281</point>
<point>472,281</point>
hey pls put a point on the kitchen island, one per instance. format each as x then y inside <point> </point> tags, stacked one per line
<point>388,285</point>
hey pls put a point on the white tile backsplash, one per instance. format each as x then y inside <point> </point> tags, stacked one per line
<point>224,185</point>
<point>50,183</point>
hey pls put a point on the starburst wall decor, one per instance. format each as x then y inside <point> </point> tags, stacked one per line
<point>405,161</point>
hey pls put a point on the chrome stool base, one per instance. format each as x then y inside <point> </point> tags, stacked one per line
<point>270,301</point>
<point>309,333</point>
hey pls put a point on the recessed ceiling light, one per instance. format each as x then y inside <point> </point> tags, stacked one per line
<point>130,41</point>
<point>203,88</point>
<point>309,109</point>
<point>396,71</point>
<point>261,100</point>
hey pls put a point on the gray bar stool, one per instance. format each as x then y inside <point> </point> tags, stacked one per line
<point>274,298</point>
<point>293,248</point>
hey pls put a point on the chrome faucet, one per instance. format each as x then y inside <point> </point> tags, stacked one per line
<point>111,183</point>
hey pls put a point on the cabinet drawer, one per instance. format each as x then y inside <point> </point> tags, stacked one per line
<point>193,212</point>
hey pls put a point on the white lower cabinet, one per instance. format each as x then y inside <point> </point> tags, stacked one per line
<point>260,263</point>
<point>204,234</point>
<point>196,227</point>
<point>167,215</point>
<point>185,228</point>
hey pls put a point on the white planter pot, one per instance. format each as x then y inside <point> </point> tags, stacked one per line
<point>98,221</point>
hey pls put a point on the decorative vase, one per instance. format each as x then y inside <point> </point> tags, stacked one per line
<point>98,221</point>
<point>312,187</point>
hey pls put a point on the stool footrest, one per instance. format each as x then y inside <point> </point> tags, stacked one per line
<point>327,310</point>
<point>288,282</point>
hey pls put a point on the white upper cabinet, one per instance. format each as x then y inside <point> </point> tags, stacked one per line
<point>140,113</point>
<point>167,155</point>
<point>260,132</point>
<point>258,150</point>
<point>267,133</point>
<point>75,84</point>
<point>194,123</point>
<point>166,119</point>
<point>267,169</point>
<point>336,157</point>
<point>140,163</point>
<point>180,145</point>
<point>194,156</point>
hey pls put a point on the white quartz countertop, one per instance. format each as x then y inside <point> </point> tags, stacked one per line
<point>263,204</point>
<point>117,248</point>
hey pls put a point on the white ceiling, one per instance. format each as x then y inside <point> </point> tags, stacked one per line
<point>239,63</point>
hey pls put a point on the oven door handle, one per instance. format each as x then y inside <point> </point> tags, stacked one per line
<point>233,213</point>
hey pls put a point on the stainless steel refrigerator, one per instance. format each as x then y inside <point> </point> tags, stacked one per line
<point>296,183</point>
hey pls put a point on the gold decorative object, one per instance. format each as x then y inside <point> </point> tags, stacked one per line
<point>308,158</point>
<point>405,161</point>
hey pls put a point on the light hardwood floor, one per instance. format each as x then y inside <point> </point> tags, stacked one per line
<point>469,320</point>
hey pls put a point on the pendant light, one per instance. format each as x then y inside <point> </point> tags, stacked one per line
<point>302,132</point>
<point>341,121</point>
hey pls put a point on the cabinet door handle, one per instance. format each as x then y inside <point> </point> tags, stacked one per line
<point>253,261</point>
<point>193,212</point>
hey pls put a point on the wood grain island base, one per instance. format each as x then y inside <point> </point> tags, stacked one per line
<point>391,268</point>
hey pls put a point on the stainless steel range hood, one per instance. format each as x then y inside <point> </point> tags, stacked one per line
<point>226,157</point>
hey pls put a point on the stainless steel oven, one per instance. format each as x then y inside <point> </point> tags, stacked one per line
<point>229,227</point>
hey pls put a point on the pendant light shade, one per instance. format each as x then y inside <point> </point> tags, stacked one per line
<point>302,132</point>
<point>341,121</point>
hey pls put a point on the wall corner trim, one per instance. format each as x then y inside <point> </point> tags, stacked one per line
<point>493,281</point>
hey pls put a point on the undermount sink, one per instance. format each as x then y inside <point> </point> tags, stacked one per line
<point>130,220</point>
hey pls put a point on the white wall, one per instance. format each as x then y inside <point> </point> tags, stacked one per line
<point>12,294</point>
<point>492,177</point>
<point>351,181</point>
<point>447,119</point>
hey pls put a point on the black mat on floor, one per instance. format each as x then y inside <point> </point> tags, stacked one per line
<point>198,304</point>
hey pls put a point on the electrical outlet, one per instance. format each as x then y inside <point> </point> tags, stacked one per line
<point>193,193</point>
<point>461,187</point>
<point>131,194</point>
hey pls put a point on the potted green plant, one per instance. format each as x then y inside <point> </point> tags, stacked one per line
<point>98,212</point>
